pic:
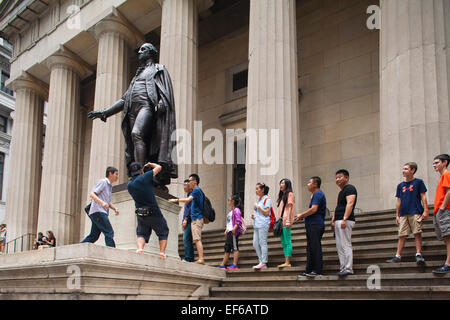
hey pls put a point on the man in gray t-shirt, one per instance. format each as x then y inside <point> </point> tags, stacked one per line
<point>100,205</point>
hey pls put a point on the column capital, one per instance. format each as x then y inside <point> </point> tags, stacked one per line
<point>27,81</point>
<point>66,58</point>
<point>115,22</point>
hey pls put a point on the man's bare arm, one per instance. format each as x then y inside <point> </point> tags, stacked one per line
<point>446,199</point>
<point>94,197</point>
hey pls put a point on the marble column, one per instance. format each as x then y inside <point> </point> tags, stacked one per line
<point>414,92</point>
<point>178,52</point>
<point>272,101</point>
<point>24,181</point>
<point>60,181</point>
<point>116,37</point>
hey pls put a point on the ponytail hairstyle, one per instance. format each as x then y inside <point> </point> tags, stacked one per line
<point>263,186</point>
<point>284,195</point>
<point>238,203</point>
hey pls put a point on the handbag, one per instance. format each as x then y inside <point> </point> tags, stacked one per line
<point>278,225</point>
<point>87,208</point>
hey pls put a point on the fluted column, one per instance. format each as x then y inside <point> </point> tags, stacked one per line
<point>414,93</point>
<point>179,54</point>
<point>115,40</point>
<point>57,207</point>
<point>272,97</point>
<point>24,180</point>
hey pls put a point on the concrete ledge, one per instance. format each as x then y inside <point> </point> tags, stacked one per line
<point>89,271</point>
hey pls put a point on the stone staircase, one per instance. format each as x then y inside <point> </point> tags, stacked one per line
<point>374,241</point>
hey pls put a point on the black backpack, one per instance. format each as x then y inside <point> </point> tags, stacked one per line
<point>209,214</point>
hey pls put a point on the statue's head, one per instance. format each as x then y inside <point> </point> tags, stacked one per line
<point>147,51</point>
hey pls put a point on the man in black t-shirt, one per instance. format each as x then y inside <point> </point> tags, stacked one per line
<point>343,221</point>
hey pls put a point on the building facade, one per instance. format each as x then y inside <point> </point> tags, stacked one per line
<point>267,90</point>
<point>6,112</point>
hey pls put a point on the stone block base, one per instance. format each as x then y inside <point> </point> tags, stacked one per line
<point>88,271</point>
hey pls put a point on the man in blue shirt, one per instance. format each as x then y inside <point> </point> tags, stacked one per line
<point>149,216</point>
<point>186,225</point>
<point>411,209</point>
<point>196,198</point>
<point>315,227</point>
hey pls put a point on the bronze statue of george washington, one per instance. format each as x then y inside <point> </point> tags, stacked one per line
<point>148,117</point>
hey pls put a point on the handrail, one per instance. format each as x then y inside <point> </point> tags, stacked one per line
<point>13,247</point>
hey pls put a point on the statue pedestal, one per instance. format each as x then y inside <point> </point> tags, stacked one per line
<point>125,224</point>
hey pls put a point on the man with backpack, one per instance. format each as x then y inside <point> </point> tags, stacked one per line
<point>197,197</point>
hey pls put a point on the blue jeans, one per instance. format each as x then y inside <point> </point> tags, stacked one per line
<point>188,247</point>
<point>100,223</point>
<point>260,243</point>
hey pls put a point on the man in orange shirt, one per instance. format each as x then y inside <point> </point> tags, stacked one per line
<point>442,207</point>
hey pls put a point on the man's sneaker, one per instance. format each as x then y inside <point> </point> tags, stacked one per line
<point>312,274</point>
<point>394,259</point>
<point>162,255</point>
<point>344,273</point>
<point>444,269</point>
<point>221,266</point>
<point>420,259</point>
<point>233,267</point>
<point>139,251</point>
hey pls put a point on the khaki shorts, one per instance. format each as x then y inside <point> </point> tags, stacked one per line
<point>410,224</point>
<point>196,228</point>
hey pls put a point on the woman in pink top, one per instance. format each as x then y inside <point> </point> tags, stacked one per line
<point>286,202</point>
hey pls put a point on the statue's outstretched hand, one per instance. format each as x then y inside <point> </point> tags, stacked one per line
<point>97,114</point>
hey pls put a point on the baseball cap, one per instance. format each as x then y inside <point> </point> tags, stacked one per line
<point>135,169</point>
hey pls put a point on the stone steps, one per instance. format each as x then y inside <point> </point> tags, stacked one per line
<point>331,259</point>
<point>417,279</point>
<point>358,268</point>
<point>299,232</point>
<point>374,240</point>
<point>331,292</point>
<point>428,240</point>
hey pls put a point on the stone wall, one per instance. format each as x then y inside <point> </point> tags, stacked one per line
<point>339,102</point>
<point>215,61</point>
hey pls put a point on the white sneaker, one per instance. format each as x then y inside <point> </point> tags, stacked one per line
<point>260,266</point>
